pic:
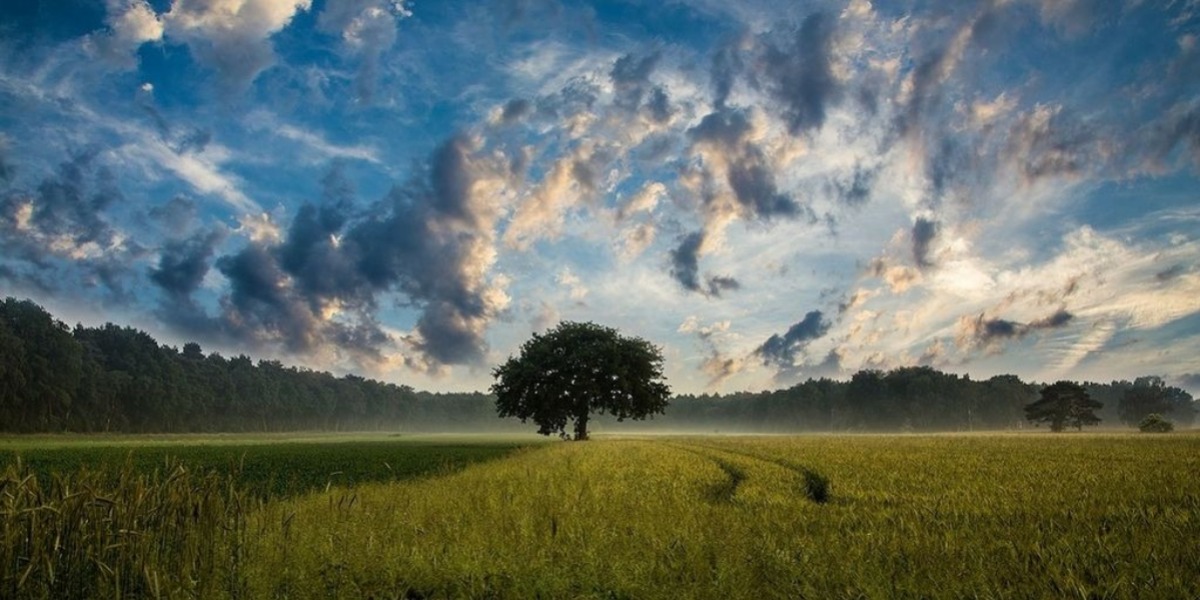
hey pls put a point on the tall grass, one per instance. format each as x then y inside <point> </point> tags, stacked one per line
<point>97,534</point>
<point>1081,516</point>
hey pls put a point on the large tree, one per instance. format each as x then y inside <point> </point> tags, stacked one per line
<point>575,369</point>
<point>1064,403</point>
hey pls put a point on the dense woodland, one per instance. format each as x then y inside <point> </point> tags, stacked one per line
<point>119,379</point>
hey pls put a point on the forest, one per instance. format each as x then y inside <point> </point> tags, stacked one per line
<point>54,378</point>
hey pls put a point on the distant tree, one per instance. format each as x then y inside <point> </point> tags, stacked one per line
<point>1154,423</point>
<point>1150,395</point>
<point>576,369</point>
<point>1063,404</point>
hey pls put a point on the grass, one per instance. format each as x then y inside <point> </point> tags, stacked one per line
<point>1064,516</point>
<point>265,465</point>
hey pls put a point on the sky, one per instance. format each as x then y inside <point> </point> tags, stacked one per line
<point>769,191</point>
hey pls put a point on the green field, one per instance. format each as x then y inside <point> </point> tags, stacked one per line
<point>940,516</point>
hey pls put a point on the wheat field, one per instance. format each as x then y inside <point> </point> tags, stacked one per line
<point>941,516</point>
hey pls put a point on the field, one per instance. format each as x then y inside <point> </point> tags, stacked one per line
<point>944,516</point>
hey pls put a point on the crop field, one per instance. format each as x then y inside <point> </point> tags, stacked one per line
<point>940,516</point>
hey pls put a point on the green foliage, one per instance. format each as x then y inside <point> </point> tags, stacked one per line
<point>1149,395</point>
<point>1063,404</point>
<point>576,369</point>
<point>119,379</point>
<point>1155,423</point>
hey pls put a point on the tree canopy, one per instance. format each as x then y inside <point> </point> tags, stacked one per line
<point>575,369</point>
<point>1151,395</point>
<point>1065,403</point>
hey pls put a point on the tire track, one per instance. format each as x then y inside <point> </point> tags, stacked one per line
<point>814,485</point>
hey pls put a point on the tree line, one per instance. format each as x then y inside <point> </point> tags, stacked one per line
<point>119,379</point>
<point>919,399</point>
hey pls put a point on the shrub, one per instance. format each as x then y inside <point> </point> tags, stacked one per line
<point>1155,423</point>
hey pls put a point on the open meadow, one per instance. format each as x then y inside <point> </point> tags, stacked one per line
<point>827,516</point>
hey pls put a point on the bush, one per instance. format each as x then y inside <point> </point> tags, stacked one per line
<point>1155,423</point>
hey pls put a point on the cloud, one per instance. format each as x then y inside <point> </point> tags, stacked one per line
<point>716,364</point>
<point>367,29</point>
<point>723,140</point>
<point>64,216</point>
<point>231,37</point>
<point>60,237</point>
<point>183,264</point>
<point>318,286</point>
<point>781,350</point>
<point>514,110</point>
<point>130,23</point>
<point>630,78</point>
<point>799,76</point>
<point>685,261</point>
<point>989,332</point>
<point>923,232</point>
<point>685,268</point>
<point>572,180</point>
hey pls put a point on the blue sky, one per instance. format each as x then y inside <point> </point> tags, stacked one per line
<point>770,191</point>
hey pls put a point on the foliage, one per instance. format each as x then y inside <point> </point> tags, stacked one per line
<point>1149,395</point>
<point>576,369</point>
<point>1063,404</point>
<point>119,379</point>
<point>1155,423</point>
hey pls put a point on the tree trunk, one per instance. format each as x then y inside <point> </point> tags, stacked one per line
<point>581,427</point>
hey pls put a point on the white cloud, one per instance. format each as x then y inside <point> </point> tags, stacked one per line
<point>232,37</point>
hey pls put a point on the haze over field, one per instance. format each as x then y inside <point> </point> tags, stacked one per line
<point>769,190</point>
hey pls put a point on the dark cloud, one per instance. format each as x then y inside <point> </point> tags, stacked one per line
<point>1054,321</point>
<point>781,350</point>
<point>923,232</point>
<point>658,106</point>
<point>1170,273</point>
<point>64,219</point>
<point>749,176</point>
<point>514,110</point>
<point>685,261</point>
<point>856,190</point>
<point>726,64</point>
<point>260,308</point>
<point>183,264</point>
<point>718,284</point>
<point>999,328</point>
<point>987,331</point>
<point>176,216</point>
<point>799,76</point>
<point>422,241</point>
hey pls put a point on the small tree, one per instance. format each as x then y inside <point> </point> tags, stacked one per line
<point>1154,423</point>
<point>576,369</point>
<point>1062,404</point>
